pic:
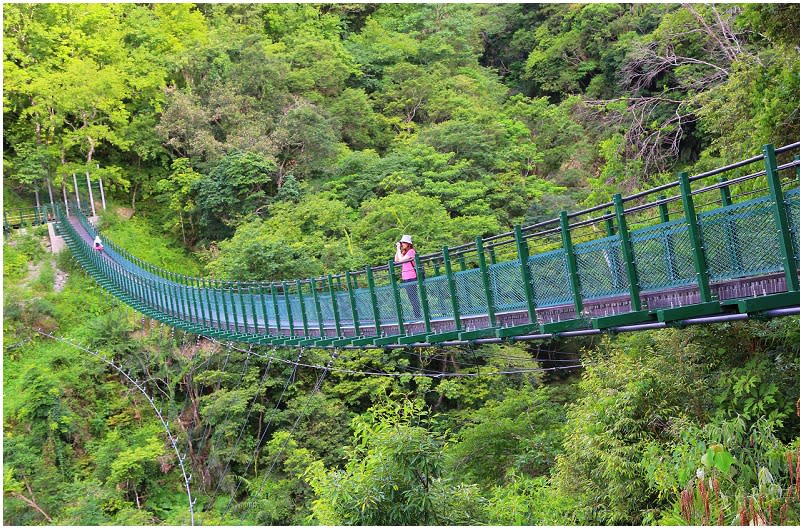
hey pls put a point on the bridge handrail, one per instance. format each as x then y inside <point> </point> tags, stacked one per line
<point>492,242</point>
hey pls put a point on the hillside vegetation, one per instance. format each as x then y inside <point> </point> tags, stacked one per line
<point>277,141</point>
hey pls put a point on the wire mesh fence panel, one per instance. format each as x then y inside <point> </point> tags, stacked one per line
<point>297,311</point>
<point>740,240</point>
<point>663,255</point>
<point>507,286</point>
<point>439,303</point>
<point>792,198</point>
<point>364,307</point>
<point>326,308</point>
<point>470,292</point>
<point>550,277</point>
<point>409,301</point>
<point>601,268</point>
<point>386,304</point>
<point>345,308</point>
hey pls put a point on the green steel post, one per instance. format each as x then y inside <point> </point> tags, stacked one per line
<point>200,308</point>
<point>303,312</point>
<point>209,292</point>
<point>451,285</point>
<point>610,232</point>
<point>224,305</point>
<point>698,252</point>
<point>525,272</point>
<point>353,308</point>
<point>572,264</point>
<point>461,262</point>
<point>288,302</point>
<point>423,293</point>
<point>176,296</point>
<point>781,219</point>
<point>401,329</point>
<point>315,296</point>
<point>264,312</point>
<point>185,296</point>
<point>253,307</point>
<point>663,210</point>
<point>233,306</point>
<point>376,313</point>
<point>173,302</point>
<point>243,306</point>
<point>492,256</point>
<point>339,282</point>
<point>162,297</point>
<point>277,309</point>
<point>335,306</point>
<point>609,224</point>
<point>190,299</point>
<point>487,283</point>
<point>724,193</point>
<point>627,254</point>
<point>436,270</point>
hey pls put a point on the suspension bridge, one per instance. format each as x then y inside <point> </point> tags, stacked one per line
<point>713,247</point>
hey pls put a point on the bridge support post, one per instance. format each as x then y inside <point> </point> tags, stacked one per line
<point>423,293</point>
<point>91,196</point>
<point>66,202</point>
<point>401,329</point>
<point>335,305</point>
<point>303,312</point>
<point>487,289</point>
<point>610,232</point>
<point>250,290</point>
<point>572,264</point>
<point>77,195</point>
<point>233,306</point>
<point>781,219</point>
<point>210,288</point>
<point>317,308</point>
<point>636,314</point>
<point>451,284</point>
<point>353,308</point>
<point>288,302</point>
<point>523,255</point>
<point>707,305</point>
<point>628,254</point>
<point>274,296</point>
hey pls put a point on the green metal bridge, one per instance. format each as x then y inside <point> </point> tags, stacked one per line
<point>717,246</point>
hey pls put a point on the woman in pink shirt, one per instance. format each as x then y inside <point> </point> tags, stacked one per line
<point>405,255</point>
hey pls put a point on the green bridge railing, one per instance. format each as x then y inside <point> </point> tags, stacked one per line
<point>698,247</point>
<point>26,217</point>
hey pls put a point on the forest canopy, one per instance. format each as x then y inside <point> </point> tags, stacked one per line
<point>280,141</point>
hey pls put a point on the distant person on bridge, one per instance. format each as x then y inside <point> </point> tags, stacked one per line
<point>98,245</point>
<point>404,255</point>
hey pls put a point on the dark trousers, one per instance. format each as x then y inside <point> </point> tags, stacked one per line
<point>410,286</point>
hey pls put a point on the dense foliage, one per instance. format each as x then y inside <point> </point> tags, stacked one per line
<point>275,141</point>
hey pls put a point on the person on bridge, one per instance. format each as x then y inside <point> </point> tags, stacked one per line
<point>404,255</point>
<point>98,245</point>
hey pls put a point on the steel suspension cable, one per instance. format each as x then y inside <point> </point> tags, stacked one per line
<point>141,388</point>
<point>301,415</point>
<point>244,426</point>
<point>266,429</point>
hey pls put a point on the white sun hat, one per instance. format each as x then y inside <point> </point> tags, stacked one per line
<point>406,238</point>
